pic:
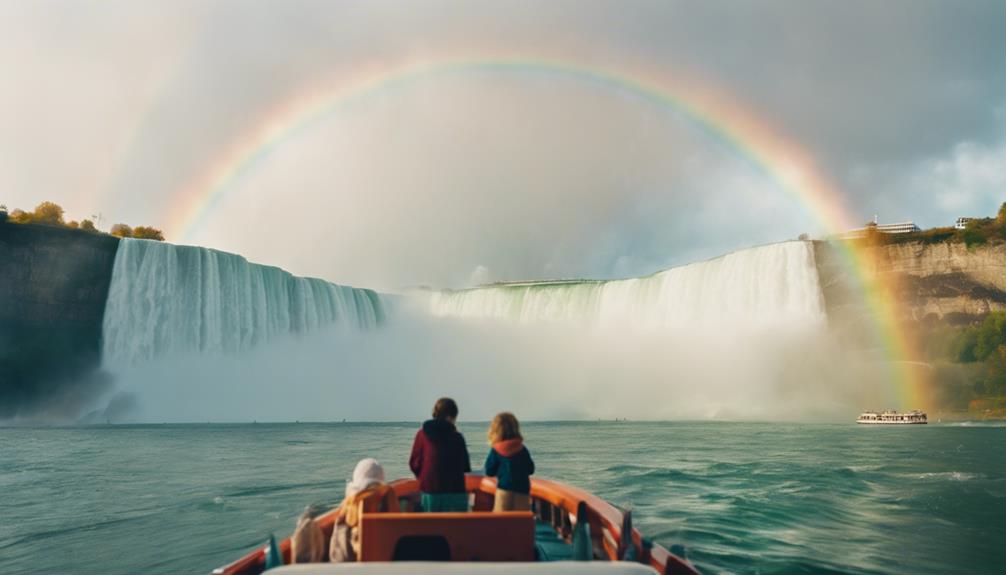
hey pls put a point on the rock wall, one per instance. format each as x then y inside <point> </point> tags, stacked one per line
<point>53,287</point>
<point>945,281</point>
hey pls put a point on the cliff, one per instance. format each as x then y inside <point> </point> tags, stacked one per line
<point>943,281</point>
<point>53,287</point>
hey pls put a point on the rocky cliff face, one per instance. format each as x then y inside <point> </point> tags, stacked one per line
<point>946,280</point>
<point>943,281</point>
<point>53,287</point>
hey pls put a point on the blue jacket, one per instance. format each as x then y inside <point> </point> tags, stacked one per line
<point>510,462</point>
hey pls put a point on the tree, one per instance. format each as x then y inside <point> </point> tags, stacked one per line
<point>48,213</point>
<point>72,224</point>
<point>20,217</point>
<point>973,236</point>
<point>963,348</point>
<point>148,233</point>
<point>995,372</point>
<point>121,231</point>
<point>88,226</point>
<point>990,335</point>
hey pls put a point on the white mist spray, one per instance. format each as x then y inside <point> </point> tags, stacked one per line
<point>739,337</point>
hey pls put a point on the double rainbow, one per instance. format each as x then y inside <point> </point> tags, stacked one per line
<point>727,120</point>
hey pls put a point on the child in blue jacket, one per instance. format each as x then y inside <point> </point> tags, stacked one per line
<point>510,462</point>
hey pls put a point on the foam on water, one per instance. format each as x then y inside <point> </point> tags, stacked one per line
<point>167,299</point>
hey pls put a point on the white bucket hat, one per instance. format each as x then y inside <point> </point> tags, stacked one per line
<point>368,472</point>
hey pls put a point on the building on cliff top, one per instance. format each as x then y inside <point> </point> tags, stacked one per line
<point>874,226</point>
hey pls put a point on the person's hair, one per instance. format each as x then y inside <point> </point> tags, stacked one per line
<point>445,408</point>
<point>504,426</point>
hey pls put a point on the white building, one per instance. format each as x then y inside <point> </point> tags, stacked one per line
<point>874,226</point>
<point>962,223</point>
<point>899,228</point>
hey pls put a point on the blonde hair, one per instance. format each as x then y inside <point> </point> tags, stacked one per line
<point>504,426</point>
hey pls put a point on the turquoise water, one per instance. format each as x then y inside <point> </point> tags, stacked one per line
<point>735,497</point>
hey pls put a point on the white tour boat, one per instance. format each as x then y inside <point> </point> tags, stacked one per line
<point>892,418</point>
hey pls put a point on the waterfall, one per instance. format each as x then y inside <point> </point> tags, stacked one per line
<point>768,285</point>
<point>167,299</point>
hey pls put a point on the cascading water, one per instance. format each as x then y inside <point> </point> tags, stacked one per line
<point>167,299</point>
<point>763,286</point>
<point>741,336</point>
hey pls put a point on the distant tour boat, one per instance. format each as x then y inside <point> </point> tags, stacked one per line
<point>892,418</point>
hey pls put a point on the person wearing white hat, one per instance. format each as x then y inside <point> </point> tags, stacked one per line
<point>368,473</point>
<point>366,492</point>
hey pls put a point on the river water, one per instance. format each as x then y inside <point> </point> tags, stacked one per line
<point>733,497</point>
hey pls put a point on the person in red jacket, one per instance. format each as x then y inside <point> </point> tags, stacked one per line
<point>440,460</point>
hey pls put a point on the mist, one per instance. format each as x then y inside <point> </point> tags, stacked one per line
<point>542,372</point>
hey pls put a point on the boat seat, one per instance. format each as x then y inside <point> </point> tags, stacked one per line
<point>475,536</point>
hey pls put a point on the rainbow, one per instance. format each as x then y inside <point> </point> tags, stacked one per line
<point>756,141</point>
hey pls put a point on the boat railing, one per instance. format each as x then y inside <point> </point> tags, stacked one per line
<point>557,504</point>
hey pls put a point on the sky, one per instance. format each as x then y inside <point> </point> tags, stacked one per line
<point>487,173</point>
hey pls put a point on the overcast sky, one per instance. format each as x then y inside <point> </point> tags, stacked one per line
<point>118,106</point>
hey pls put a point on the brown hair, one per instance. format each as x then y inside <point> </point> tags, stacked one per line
<point>504,426</point>
<point>444,408</point>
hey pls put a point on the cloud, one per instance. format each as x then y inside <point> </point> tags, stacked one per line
<point>415,188</point>
<point>116,107</point>
<point>968,179</point>
<point>971,179</point>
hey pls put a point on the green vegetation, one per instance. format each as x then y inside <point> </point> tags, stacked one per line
<point>930,236</point>
<point>969,364</point>
<point>51,214</point>
<point>984,344</point>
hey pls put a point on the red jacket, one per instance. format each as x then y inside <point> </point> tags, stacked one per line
<point>440,458</point>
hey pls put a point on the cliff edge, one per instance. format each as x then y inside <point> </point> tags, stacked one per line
<point>942,281</point>
<point>53,287</point>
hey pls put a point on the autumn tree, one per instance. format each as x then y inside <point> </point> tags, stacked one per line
<point>88,226</point>
<point>20,217</point>
<point>121,231</point>
<point>148,233</point>
<point>48,213</point>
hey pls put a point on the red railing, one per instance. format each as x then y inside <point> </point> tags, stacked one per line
<point>557,503</point>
